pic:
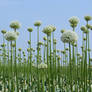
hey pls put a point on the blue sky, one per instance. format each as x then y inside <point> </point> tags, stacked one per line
<point>55,12</point>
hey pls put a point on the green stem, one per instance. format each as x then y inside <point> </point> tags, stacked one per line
<point>48,64</point>
<point>38,57</point>
<point>70,67</point>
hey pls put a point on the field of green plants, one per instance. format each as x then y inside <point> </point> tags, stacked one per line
<point>46,68</point>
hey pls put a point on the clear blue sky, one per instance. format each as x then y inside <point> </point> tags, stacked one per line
<point>55,12</point>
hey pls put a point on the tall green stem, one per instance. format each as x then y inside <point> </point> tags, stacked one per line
<point>70,67</point>
<point>48,64</point>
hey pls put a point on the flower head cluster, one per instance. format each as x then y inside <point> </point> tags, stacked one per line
<point>15,25</point>
<point>3,31</point>
<point>74,21</point>
<point>40,43</point>
<point>13,45</point>
<point>53,27</point>
<point>11,35</point>
<point>63,30</point>
<point>90,27</point>
<point>3,45</point>
<point>84,29</point>
<point>30,29</point>
<point>69,36</point>
<point>28,49</point>
<point>44,38</point>
<point>37,23</point>
<point>87,18</point>
<point>55,41</point>
<point>47,30</point>
<point>42,66</point>
<point>19,49</point>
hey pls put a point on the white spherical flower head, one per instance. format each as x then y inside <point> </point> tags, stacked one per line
<point>37,23</point>
<point>74,21</point>
<point>47,30</point>
<point>42,66</point>
<point>53,27</point>
<point>15,24</point>
<point>69,36</point>
<point>11,36</point>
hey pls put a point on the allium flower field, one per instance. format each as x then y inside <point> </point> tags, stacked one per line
<point>54,70</point>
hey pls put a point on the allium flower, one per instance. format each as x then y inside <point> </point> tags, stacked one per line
<point>74,21</point>
<point>90,27</point>
<point>84,39</point>
<point>47,30</point>
<point>13,45</point>
<point>44,38</point>
<point>29,42</point>
<point>87,18</point>
<point>55,41</point>
<point>40,43</point>
<point>58,57</point>
<point>37,23</point>
<point>53,27</point>
<point>3,45</point>
<point>28,49</point>
<point>19,49</point>
<point>69,36</point>
<point>30,29</point>
<point>84,29</point>
<point>63,51</point>
<point>15,24</point>
<point>3,31</point>
<point>42,66</point>
<point>63,30</point>
<point>45,45</point>
<point>11,35</point>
